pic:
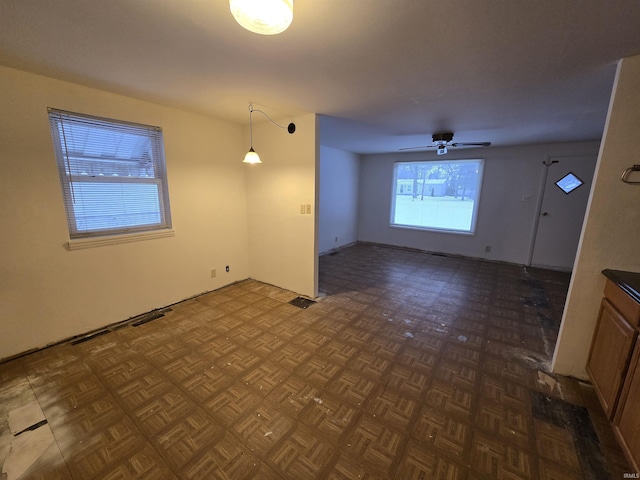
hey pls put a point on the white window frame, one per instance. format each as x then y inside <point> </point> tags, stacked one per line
<point>106,146</point>
<point>413,226</point>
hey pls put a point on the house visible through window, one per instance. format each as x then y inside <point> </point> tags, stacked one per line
<point>112,173</point>
<point>437,195</point>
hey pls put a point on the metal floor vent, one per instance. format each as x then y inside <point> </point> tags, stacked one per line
<point>141,320</point>
<point>89,337</point>
<point>301,302</point>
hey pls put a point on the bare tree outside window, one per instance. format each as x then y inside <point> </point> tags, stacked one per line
<point>437,195</point>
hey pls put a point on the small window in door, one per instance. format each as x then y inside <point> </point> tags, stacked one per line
<point>569,183</point>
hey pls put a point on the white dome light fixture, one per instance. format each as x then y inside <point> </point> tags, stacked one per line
<point>266,17</point>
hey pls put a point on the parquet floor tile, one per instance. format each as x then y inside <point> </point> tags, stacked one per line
<point>190,436</point>
<point>330,417</point>
<point>408,366</point>
<point>232,403</point>
<point>74,424</point>
<point>145,463</point>
<point>373,442</point>
<point>226,458</point>
<point>102,449</point>
<point>508,424</point>
<point>317,371</point>
<point>394,409</point>
<point>301,454</point>
<point>347,467</point>
<point>420,463</point>
<point>204,384</point>
<point>265,377</point>
<point>293,395</point>
<point>261,427</point>
<point>442,433</point>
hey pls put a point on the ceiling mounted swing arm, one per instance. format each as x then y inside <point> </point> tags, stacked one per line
<point>251,156</point>
<point>291,128</point>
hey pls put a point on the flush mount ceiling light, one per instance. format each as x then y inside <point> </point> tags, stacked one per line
<point>266,17</point>
<point>251,156</point>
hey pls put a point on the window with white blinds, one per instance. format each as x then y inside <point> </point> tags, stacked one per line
<point>112,173</point>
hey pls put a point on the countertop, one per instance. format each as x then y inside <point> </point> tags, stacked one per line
<point>627,281</point>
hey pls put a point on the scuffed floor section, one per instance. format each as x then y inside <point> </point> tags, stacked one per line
<point>408,366</point>
<point>27,446</point>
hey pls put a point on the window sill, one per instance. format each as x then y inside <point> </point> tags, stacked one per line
<point>432,229</point>
<point>82,243</point>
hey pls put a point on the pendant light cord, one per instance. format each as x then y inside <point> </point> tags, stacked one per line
<point>251,110</point>
<point>250,127</point>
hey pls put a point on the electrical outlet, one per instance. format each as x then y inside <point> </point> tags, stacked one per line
<point>487,248</point>
<point>213,273</point>
<point>526,198</point>
<point>302,209</point>
<point>308,209</point>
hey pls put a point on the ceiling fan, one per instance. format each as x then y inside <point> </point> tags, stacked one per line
<point>442,140</point>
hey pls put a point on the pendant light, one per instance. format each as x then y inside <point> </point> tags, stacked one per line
<point>252,157</point>
<point>266,17</point>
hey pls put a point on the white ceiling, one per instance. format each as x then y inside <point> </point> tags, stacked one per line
<point>386,74</point>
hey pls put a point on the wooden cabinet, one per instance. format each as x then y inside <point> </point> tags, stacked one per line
<point>627,420</point>
<point>614,359</point>
<point>610,354</point>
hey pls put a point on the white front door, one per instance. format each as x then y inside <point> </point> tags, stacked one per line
<point>562,211</point>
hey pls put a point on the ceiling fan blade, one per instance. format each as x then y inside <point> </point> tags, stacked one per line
<point>477,144</point>
<point>415,148</point>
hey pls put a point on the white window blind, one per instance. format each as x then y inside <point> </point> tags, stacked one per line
<point>112,173</point>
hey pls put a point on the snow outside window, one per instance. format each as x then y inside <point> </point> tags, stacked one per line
<point>437,195</point>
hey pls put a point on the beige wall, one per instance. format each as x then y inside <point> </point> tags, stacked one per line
<point>505,223</point>
<point>611,233</point>
<point>48,293</point>
<point>282,241</point>
<point>338,188</point>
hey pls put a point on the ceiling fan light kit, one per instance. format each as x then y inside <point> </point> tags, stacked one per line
<point>441,142</point>
<point>443,138</point>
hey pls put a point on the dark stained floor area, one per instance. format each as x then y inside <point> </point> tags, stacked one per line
<point>409,366</point>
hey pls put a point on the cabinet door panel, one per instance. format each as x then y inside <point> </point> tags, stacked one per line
<point>627,422</point>
<point>609,356</point>
<point>627,306</point>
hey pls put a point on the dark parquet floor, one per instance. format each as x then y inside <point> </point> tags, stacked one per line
<point>409,366</point>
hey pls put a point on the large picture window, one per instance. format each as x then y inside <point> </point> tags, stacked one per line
<point>437,195</point>
<point>112,173</point>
